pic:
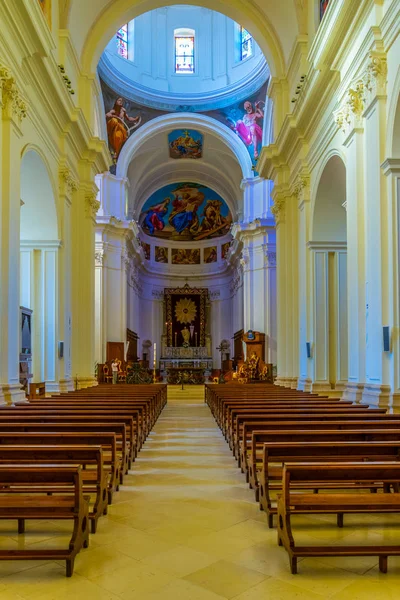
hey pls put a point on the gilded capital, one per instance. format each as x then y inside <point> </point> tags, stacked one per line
<point>278,207</point>
<point>92,204</point>
<point>11,98</point>
<point>69,180</point>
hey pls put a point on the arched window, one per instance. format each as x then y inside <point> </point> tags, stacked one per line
<point>184,51</point>
<point>122,41</point>
<point>246,44</point>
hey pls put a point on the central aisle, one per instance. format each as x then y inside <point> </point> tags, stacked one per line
<point>185,527</point>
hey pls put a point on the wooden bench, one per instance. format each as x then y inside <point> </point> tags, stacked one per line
<point>94,476</point>
<point>275,453</point>
<point>293,501</point>
<point>303,436</point>
<point>315,421</point>
<point>44,417</point>
<point>27,505</point>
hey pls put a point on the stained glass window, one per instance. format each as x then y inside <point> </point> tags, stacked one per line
<point>184,54</point>
<point>122,41</point>
<point>323,6</point>
<point>246,44</point>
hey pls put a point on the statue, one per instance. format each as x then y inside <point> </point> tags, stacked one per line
<point>186,337</point>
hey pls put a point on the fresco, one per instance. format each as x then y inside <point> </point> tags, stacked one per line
<point>185,211</point>
<point>210,254</point>
<point>188,256</point>
<point>146,250</point>
<point>185,143</point>
<point>123,117</point>
<point>161,254</point>
<point>246,119</point>
<point>225,249</point>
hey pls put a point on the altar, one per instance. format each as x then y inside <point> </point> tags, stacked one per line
<point>186,341</point>
<point>185,375</point>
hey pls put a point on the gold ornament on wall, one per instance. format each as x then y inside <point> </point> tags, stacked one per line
<point>185,310</point>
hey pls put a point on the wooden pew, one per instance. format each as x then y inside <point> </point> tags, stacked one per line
<point>118,428</point>
<point>245,427</point>
<point>87,413</point>
<point>111,463</point>
<point>16,418</point>
<point>378,447</point>
<point>94,475</point>
<point>27,505</point>
<point>292,501</point>
<point>304,436</point>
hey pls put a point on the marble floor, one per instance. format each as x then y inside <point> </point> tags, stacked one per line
<point>185,526</point>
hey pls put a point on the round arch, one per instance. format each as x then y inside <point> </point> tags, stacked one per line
<point>328,216</point>
<point>121,11</point>
<point>393,127</point>
<point>39,219</point>
<point>177,120</point>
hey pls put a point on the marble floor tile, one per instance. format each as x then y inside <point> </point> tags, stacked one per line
<point>185,526</point>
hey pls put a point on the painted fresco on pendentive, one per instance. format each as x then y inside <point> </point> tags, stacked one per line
<point>185,143</point>
<point>185,212</point>
<point>188,256</point>
<point>210,255</point>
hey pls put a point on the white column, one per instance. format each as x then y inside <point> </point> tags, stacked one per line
<point>13,110</point>
<point>259,282</point>
<point>391,168</point>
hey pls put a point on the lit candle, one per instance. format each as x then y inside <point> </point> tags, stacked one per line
<point>155,354</point>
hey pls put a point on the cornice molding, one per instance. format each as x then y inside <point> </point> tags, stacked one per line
<point>327,246</point>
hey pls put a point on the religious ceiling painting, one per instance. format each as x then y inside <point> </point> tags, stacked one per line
<point>45,5</point>
<point>245,117</point>
<point>210,255</point>
<point>225,249</point>
<point>161,254</point>
<point>146,250</point>
<point>185,143</point>
<point>185,212</point>
<point>123,118</point>
<point>188,256</point>
<point>185,316</point>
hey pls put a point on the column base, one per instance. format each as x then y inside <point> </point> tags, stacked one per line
<point>304,384</point>
<point>82,383</point>
<point>66,385</point>
<point>376,394</point>
<point>11,394</point>
<point>280,380</point>
<point>353,391</point>
<point>396,401</point>
<point>324,388</point>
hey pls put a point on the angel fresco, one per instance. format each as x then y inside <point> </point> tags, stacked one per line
<point>117,129</point>
<point>248,129</point>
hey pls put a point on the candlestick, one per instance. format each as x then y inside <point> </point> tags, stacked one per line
<point>154,363</point>
<point>195,335</point>
<point>175,340</point>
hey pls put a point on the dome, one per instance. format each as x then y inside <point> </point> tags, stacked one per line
<point>183,58</point>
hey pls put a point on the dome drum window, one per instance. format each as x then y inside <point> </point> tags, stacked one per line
<point>184,51</point>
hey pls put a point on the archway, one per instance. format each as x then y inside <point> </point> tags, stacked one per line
<point>329,248</point>
<point>39,246</point>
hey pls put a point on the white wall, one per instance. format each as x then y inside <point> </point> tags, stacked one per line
<point>153,64</point>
